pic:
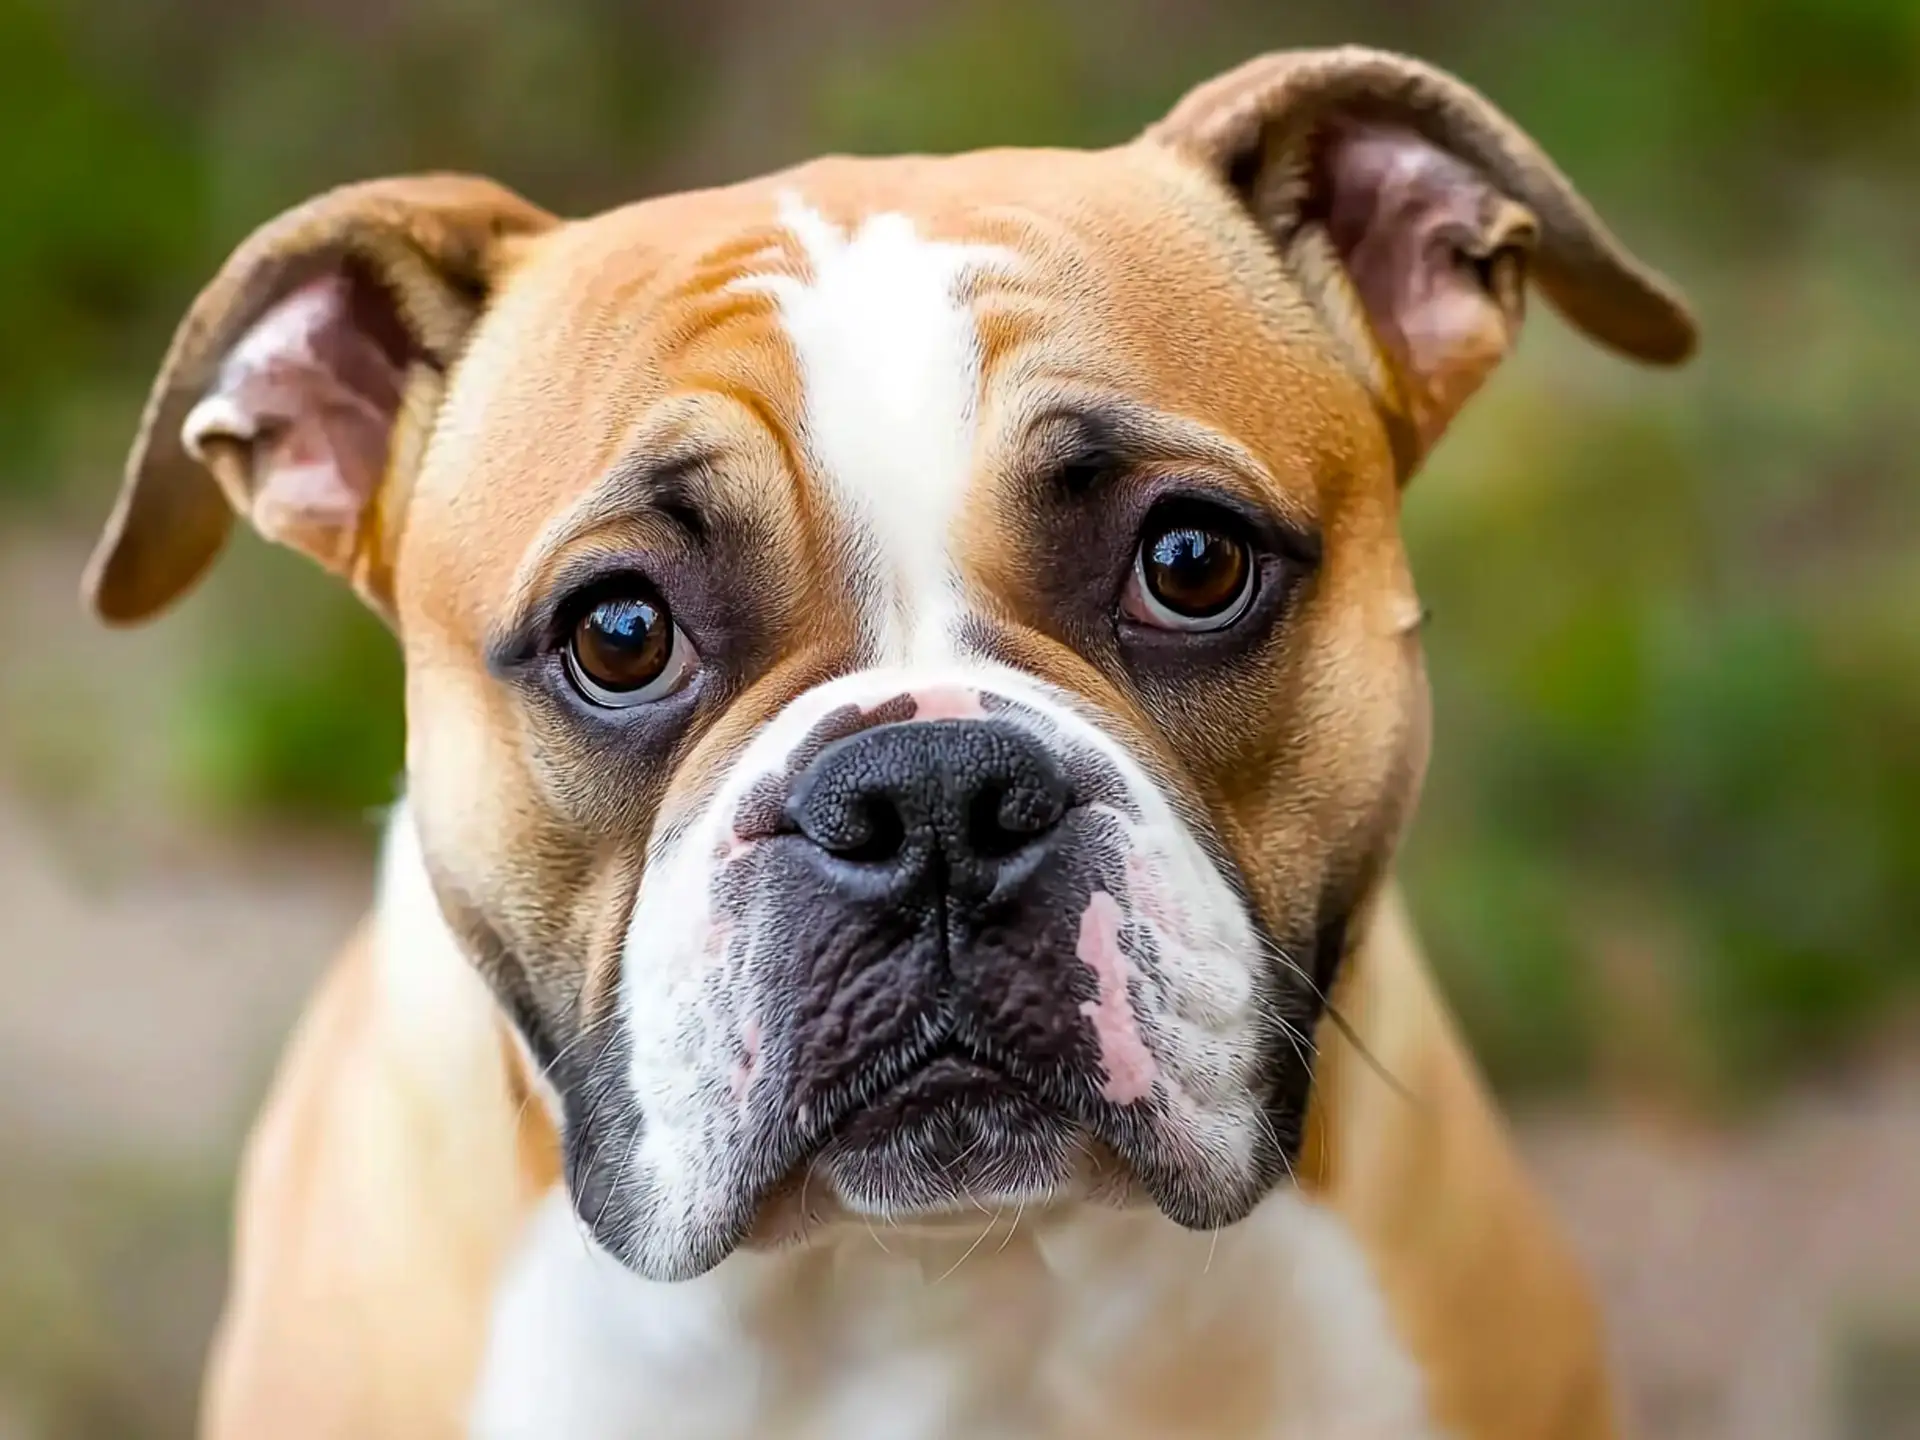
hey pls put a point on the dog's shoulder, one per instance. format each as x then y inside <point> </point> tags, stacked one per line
<point>1424,1170</point>
<point>361,1282</point>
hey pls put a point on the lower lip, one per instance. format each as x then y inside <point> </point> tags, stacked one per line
<point>948,1082</point>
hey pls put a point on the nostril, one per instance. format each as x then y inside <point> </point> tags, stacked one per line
<point>1002,819</point>
<point>875,832</point>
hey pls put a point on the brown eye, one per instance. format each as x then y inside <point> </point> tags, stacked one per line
<point>625,650</point>
<point>1190,575</point>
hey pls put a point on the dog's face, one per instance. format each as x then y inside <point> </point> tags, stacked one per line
<point>911,670</point>
<point>922,729</point>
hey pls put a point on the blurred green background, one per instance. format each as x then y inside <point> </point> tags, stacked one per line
<point>1670,848</point>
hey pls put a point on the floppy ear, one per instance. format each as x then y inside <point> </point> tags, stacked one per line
<point>1414,211</point>
<point>301,383</point>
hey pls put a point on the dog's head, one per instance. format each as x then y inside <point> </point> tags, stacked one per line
<point>912,673</point>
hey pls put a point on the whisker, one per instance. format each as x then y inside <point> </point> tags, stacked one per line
<point>806,1215</point>
<point>1374,1064</point>
<point>619,1175</point>
<point>611,1083</point>
<point>1013,1229</point>
<point>1341,1023</point>
<point>992,1220</point>
<point>1273,1137</point>
<point>580,1226</point>
<point>948,1167</point>
<point>1301,1042</point>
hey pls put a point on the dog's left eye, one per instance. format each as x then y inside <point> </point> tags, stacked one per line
<point>625,650</point>
<point>1191,572</point>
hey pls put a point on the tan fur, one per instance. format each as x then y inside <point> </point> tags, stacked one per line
<point>374,1209</point>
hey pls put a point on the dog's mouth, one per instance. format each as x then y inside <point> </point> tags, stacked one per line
<point>952,1077</point>
<point>956,1130</point>
<point>939,1138</point>
<point>949,1131</point>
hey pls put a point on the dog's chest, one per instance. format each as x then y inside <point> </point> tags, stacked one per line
<point>1117,1327</point>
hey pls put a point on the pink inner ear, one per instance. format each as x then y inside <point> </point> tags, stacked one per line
<point>1407,217</point>
<point>312,390</point>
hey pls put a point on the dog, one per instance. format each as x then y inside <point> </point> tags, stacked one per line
<point>913,689</point>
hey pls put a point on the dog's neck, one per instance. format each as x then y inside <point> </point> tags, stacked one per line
<point>1070,1323</point>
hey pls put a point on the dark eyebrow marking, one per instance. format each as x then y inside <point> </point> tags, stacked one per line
<point>676,485</point>
<point>681,497</point>
<point>1078,447</point>
<point>1077,444</point>
<point>677,488</point>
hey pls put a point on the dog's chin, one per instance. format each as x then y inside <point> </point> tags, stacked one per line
<point>953,1143</point>
<point>947,1144</point>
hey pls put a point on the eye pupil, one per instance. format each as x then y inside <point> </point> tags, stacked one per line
<point>1195,572</point>
<point>623,643</point>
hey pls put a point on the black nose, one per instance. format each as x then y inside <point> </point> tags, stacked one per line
<point>963,805</point>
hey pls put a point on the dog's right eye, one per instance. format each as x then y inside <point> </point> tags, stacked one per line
<point>626,650</point>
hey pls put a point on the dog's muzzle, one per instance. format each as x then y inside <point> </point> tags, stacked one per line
<point>956,952</point>
<point>927,1032</point>
<point>941,1005</point>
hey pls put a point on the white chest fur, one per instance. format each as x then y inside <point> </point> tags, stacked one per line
<point>1107,1325</point>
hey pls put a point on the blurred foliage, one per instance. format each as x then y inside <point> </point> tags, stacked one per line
<point>1879,1382</point>
<point>1675,802</point>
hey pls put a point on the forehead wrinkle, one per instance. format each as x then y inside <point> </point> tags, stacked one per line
<point>1064,420</point>
<point>621,314</point>
<point>683,449</point>
<point>819,537</point>
<point>727,289</point>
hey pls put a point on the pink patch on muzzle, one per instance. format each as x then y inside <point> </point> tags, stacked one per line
<point>947,702</point>
<point>1124,1055</point>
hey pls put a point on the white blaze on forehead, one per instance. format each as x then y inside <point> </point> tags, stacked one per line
<point>890,364</point>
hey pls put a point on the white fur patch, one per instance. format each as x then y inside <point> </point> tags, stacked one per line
<point>430,990</point>
<point>890,361</point>
<point>1029,1335</point>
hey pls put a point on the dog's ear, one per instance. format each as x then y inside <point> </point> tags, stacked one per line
<point>1414,211</point>
<point>301,383</point>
